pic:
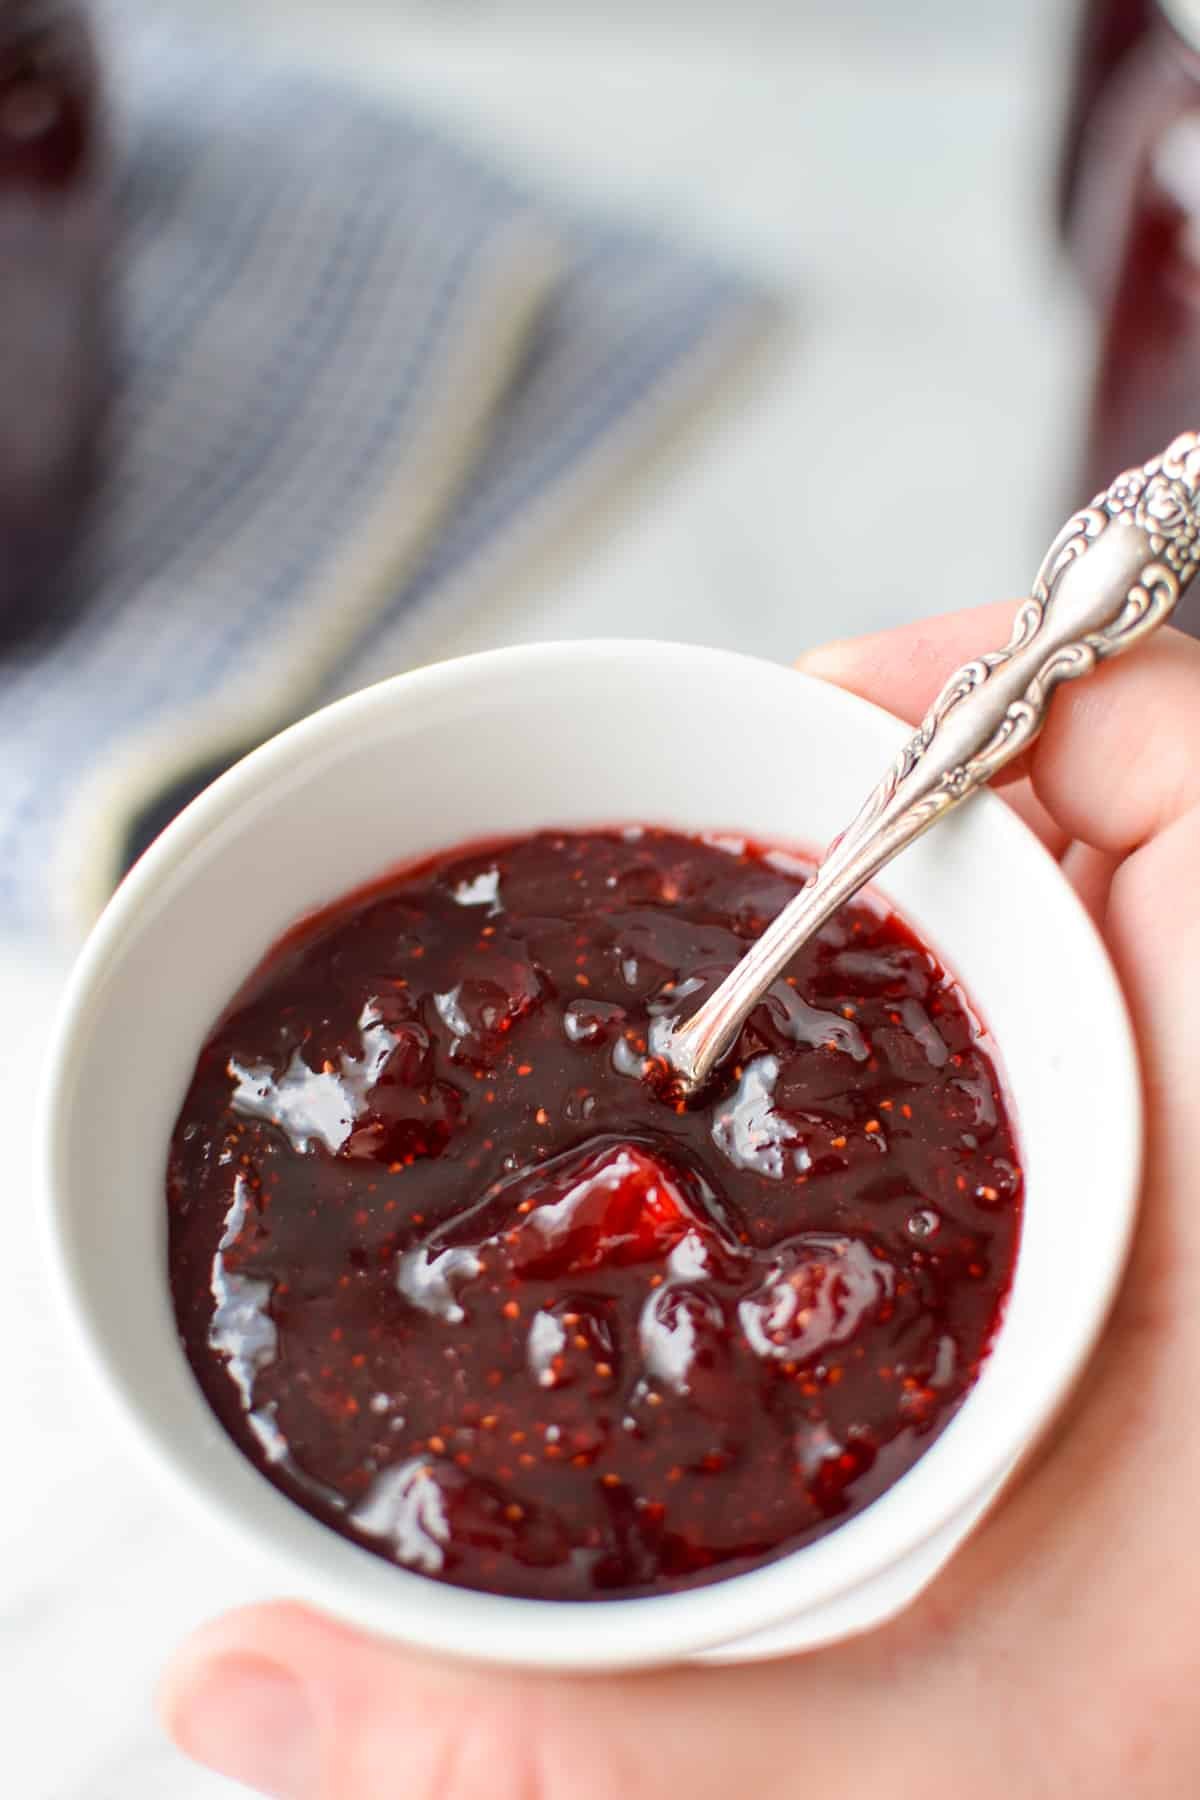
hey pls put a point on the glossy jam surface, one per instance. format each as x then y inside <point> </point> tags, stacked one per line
<point>463,1277</point>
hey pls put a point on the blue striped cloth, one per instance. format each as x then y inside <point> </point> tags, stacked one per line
<point>362,375</point>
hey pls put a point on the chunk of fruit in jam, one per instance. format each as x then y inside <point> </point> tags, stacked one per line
<point>607,1209</point>
<point>604,1207</point>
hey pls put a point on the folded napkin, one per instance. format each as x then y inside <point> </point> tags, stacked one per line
<point>360,373</point>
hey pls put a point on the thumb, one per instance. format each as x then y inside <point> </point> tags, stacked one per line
<point>299,1708</point>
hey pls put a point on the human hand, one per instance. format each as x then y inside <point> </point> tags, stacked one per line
<point>1058,1657</point>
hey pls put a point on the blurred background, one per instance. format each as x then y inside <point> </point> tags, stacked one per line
<point>872,192</point>
<point>888,169</point>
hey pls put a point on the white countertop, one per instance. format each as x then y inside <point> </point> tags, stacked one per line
<point>910,452</point>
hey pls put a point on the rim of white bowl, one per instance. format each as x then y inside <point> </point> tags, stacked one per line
<point>593,1634</point>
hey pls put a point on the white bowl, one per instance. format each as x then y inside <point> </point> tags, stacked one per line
<point>573,735</point>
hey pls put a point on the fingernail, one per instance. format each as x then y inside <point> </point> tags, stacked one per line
<point>826,660</point>
<point>248,1719</point>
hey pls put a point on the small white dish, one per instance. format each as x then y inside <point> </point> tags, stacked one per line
<point>574,735</point>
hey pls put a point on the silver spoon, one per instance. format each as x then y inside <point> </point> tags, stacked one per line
<point>1111,577</point>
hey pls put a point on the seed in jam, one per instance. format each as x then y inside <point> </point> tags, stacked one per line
<point>465,1278</point>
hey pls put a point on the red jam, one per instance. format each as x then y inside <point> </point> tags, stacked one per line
<point>463,1277</point>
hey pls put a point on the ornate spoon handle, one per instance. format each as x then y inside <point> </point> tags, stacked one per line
<point>1112,576</point>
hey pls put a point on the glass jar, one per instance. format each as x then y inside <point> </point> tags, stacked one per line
<point>1106,33</point>
<point>1136,238</point>
<point>55,227</point>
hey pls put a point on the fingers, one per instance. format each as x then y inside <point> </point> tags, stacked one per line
<point>904,670</point>
<point>299,1708</point>
<point>1090,873</point>
<point>246,1717</point>
<point>1153,930</point>
<point>1119,758</point>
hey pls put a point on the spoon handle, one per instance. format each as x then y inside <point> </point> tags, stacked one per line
<point>1111,577</point>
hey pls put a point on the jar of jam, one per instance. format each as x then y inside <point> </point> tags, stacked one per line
<point>55,222</point>
<point>1135,235</point>
<point>1107,31</point>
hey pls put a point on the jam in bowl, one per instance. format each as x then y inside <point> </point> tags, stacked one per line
<point>464,1276</point>
<point>387,1231</point>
